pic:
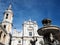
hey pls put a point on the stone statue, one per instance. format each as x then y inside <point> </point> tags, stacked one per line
<point>33,41</point>
<point>52,38</point>
<point>49,39</point>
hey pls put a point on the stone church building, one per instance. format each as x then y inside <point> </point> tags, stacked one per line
<point>6,27</point>
<point>25,37</point>
<point>28,33</point>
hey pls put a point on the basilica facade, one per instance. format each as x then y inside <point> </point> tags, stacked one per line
<point>28,34</point>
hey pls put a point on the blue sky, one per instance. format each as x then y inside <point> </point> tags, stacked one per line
<point>34,9</point>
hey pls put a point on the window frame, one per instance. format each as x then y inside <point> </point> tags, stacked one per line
<point>30,33</point>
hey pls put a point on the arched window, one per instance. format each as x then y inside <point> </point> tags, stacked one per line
<point>7,16</point>
<point>19,41</point>
<point>5,26</point>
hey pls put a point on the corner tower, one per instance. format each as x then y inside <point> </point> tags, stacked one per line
<point>7,21</point>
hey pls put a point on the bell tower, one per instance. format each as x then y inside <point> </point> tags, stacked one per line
<point>7,21</point>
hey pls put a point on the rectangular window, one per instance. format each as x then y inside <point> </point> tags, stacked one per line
<point>30,33</point>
